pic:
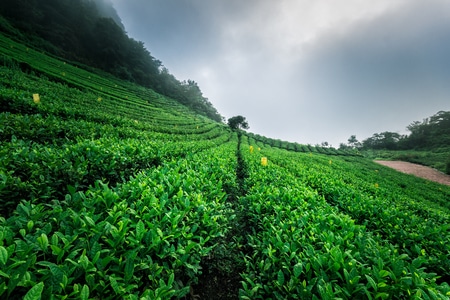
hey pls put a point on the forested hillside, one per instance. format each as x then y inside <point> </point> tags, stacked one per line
<point>428,143</point>
<point>91,33</point>
<point>433,132</point>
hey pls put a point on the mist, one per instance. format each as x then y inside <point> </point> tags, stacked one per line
<point>303,71</point>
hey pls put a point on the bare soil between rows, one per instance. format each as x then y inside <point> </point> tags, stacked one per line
<point>417,170</point>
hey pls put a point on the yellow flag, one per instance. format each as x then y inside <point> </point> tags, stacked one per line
<point>36,98</point>
<point>264,161</point>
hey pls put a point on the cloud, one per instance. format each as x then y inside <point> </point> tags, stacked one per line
<point>387,69</point>
<point>305,71</point>
<point>106,9</point>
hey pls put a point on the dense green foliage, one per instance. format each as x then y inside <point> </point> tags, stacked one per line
<point>238,122</point>
<point>118,189</point>
<point>344,228</point>
<point>78,31</point>
<point>110,190</point>
<point>428,143</point>
<point>431,133</point>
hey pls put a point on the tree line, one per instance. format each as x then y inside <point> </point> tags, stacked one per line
<point>79,30</point>
<point>431,133</point>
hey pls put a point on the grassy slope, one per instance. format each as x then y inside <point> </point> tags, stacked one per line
<point>88,158</point>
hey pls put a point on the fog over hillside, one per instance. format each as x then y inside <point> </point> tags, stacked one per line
<point>106,9</point>
<point>305,71</point>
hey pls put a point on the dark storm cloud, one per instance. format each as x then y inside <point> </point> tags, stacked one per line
<point>305,71</point>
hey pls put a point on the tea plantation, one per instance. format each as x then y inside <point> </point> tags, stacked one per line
<point>109,190</point>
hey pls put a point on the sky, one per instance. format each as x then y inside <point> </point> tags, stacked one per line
<point>301,70</point>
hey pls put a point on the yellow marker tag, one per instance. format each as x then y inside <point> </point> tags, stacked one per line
<point>264,161</point>
<point>251,149</point>
<point>36,98</point>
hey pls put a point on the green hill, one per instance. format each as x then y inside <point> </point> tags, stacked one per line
<point>111,190</point>
<point>89,33</point>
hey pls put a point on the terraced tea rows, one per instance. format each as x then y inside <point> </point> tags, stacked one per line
<point>320,228</point>
<point>109,190</point>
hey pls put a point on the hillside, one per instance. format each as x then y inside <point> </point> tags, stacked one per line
<point>110,190</point>
<point>90,33</point>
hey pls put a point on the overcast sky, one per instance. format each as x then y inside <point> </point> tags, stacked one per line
<point>305,71</point>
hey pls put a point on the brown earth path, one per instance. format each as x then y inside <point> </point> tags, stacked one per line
<point>417,170</point>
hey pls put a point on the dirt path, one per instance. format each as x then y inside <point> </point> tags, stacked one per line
<point>417,170</point>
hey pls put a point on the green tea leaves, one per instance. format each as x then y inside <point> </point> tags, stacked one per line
<point>90,221</point>
<point>298,268</point>
<point>35,292</point>
<point>140,230</point>
<point>84,294</point>
<point>371,283</point>
<point>43,241</point>
<point>280,277</point>
<point>84,260</point>
<point>3,255</point>
<point>115,285</point>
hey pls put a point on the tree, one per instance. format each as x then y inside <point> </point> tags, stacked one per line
<point>238,122</point>
<point>344,146</point>
<point>385,140</point>
<point>432,132</point>
<point>353,142</point>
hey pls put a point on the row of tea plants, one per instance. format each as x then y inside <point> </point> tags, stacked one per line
<point>109,190</point>
<point>143,238</point>
<point>302,244</point>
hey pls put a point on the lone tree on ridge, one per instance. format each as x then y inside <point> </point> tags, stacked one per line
<point>238,122</point>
